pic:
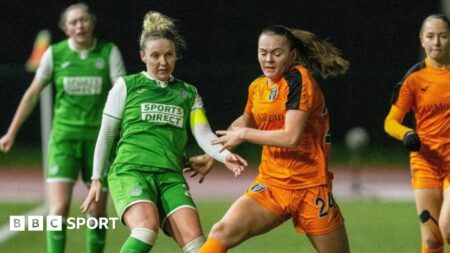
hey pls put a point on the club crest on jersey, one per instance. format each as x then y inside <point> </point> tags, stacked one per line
<point>273,94</point>
<point>258,188</point>
<point>100,63</point>
<point>136,191</point>
<point>53,170</point>
<point>182,93</point>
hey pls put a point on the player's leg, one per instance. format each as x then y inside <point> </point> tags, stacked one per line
<point>59,196</point>
<point>184,226</point>
<point>95,238</point>
<point>245,218</point>
<point>142,220</point>
<point>428,205</point>
<point>444,218</point>
<point>333,242</point>
<point>427,184</point>
<point>319,216</point>
<point>134,195</point>
<point>61,176</point>
<point>178,213</point>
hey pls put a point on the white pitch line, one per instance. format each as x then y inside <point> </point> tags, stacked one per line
<point>5,233</point>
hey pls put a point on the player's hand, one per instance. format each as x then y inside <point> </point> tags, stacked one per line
<point>93,195</point>
<point>236,164</point>
<point>201,164</point>
<point>411,141</point>
<point>230,138</point>
<point>6,143</point>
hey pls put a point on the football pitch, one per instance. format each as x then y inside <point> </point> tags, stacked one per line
<point>372,226</point>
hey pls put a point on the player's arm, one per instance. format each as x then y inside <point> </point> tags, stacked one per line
<point>117,67</point>
<point>288,137</point>
<point>401,104</point>
<point>393,126</point>
<point>245,120</point>
<point>204,136</point>
<point>109,129</point>
<point>28,101</point>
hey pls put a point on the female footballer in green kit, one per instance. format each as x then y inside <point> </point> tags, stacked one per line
<point>152,110</point>
<point>82,69</point>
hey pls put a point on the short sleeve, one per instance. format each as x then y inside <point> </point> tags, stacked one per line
<point>117,67</point>
<point>115,104</point>
<point>198,102</point>
<point>405,98</point>
<point>45,70</point>
<point>249,104</point>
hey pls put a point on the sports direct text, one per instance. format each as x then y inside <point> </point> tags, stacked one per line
<point>55,223</point>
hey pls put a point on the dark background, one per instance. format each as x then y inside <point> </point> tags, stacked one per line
<point>378,37</point>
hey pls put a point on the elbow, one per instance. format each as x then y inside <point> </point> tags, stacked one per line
<point>292,142</point>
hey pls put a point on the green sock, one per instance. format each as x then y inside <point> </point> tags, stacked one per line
<point>95,240</point>
<point>133,245</point>
<point>56,240</point>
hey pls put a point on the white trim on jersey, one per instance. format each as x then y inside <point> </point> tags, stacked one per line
<point>44,71</point>
<point>116,66</point>
<point>115,103</point>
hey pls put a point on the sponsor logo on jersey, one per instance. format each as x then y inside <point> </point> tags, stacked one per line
<point>424,88</point>
<point>99,63</point>
<point>161,113</point>
<point>135,191</point>
<point>273,94</point>
<point>82,85</point>
<point>258,188</point>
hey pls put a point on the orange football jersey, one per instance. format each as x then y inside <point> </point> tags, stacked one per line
<point>306,165</point>
<point>426,91</point>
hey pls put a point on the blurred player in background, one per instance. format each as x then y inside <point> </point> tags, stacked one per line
<point>286,113</point>
<point>425,89</point>
<point>82,69</point>
<point>153,110</point>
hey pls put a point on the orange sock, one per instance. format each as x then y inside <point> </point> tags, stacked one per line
<point>438,250</point>
<point>213,246</point>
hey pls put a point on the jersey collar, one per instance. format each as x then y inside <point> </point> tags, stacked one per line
<point>162,84</point>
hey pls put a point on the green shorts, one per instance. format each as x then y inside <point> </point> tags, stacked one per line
<point>131,184</point>
<point>67,158</point>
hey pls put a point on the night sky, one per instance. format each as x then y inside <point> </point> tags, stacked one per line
<point>378,37</point>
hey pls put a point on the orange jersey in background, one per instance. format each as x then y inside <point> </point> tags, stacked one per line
<point>306,165</point>
<point>426,91</point>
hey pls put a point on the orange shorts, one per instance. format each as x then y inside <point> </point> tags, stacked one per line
<point>429,171</point>
<point>313,210</point>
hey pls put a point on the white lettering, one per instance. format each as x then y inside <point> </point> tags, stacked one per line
<point>82,86</point>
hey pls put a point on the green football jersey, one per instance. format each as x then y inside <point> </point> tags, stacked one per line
<point>154,122</point>
<point>81,88</point>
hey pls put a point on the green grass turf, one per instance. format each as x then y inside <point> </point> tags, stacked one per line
<point>372,226</point>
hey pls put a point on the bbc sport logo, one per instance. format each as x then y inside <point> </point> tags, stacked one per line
<point>55,223</point>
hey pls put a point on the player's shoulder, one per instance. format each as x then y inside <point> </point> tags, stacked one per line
<point>299,75</point>
<point>63,44</point>
<point>415,69</point>
<point>259,81</point>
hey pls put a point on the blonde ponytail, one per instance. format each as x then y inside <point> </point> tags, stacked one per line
<point>156,26</point>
